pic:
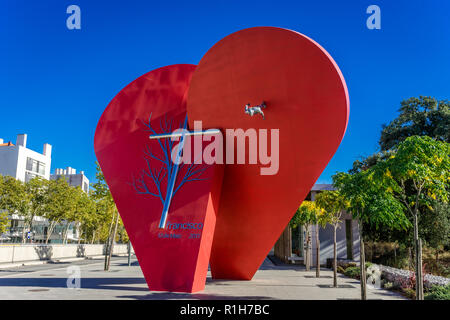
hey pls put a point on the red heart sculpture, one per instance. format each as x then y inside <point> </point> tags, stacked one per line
<point>306,99</point>
<point>174,252</point>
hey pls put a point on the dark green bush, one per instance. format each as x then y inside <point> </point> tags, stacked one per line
<point>352,272</point>
<point>409,292</point>
<point>388,285</point>
<point>438,293</point>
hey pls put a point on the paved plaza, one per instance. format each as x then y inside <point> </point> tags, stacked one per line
<point>49,281</point>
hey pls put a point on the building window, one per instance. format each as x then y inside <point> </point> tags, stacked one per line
<point>29,176</point>
<point>86,188</point>
<point>35,166</point>
<point>297,241</point>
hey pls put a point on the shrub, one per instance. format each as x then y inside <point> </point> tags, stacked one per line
<point>437,267</point>
<point>409,292</point>
<point>409,282</point>
<point>345,265</point>
<point>352,272</point>
<point>438,293</point>
<point>340,269</point>
<point>388,254</point>
<point>388,285</point>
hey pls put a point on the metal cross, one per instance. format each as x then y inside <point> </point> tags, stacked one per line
<point>173,176</point>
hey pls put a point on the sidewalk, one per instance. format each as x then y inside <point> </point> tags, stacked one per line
<point>124,282</point>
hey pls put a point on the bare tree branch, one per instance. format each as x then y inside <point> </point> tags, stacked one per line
<point>189,173</point>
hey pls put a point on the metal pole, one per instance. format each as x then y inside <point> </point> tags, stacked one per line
<point>129,253</point>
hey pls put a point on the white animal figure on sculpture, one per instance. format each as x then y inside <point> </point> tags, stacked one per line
<point>255,110</point>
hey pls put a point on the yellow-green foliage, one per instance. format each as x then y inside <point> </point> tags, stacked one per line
<point>307,213</point>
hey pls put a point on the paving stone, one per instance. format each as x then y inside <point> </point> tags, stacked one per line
<point>127,282</point>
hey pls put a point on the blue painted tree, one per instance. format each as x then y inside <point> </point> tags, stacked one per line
<point>151,179</point>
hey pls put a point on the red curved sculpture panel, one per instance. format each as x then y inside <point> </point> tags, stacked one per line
<point>272,87</point>
<point>170,225</point>
<point>306,101</point>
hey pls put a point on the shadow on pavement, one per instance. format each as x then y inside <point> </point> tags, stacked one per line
<point>193,296</point>
<point>86,283</point>
<point>274,263</point>
<point>133,264</point>
<point>118,284</point>
<point>15,270</point>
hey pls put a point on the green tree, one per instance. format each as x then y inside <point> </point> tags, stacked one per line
<point>24,199</point>
<point>36,190</point>
<point>16,200</point>
<point>333,204</point>
<point>85,215</point>
<point>103,195</point>
<point>104,219</point>
<point>122,233</point>
<point>322,220</point>
<point>4,221</point>
<point>418,174</point>
<point>60,203</point>
<point>370,161</point>
<point>306,215</point>
<point>2,191</point>
<point>93,221</point>
<point>434,227</point>
<point>3,215</point>
<point>423,116</point>
<point>370,202</point>
<point>79,211</point>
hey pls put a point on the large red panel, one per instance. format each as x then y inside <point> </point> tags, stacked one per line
<point>170,258</point>
<point>307,101</point>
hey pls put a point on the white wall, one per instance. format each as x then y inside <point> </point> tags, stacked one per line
<point>8,161</point>
<point>74,180</point>
<point>22,253</point>
<point>24,153</point>
<point>13,161</point>
<point>327,244</point>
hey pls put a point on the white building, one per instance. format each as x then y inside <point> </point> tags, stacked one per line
<point>22,163</point>
<point>73,178</point>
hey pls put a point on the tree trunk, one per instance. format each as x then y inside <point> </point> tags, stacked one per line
<point>113,238</point>
<point>419,277</point>
<point>66,231</point>
<point>418,259</point>
<point>129,252</point>
<point>362,263</point>
<point>334,257</point>
<point>30,226</point>
<point>108,241</point>
<point>50,231</point>
<point>308,249</point>
<point>23,233</point>
<point>317,252</point>
<point>287,244</point>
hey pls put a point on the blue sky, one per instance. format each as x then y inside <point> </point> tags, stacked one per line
<point>55,82</point>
